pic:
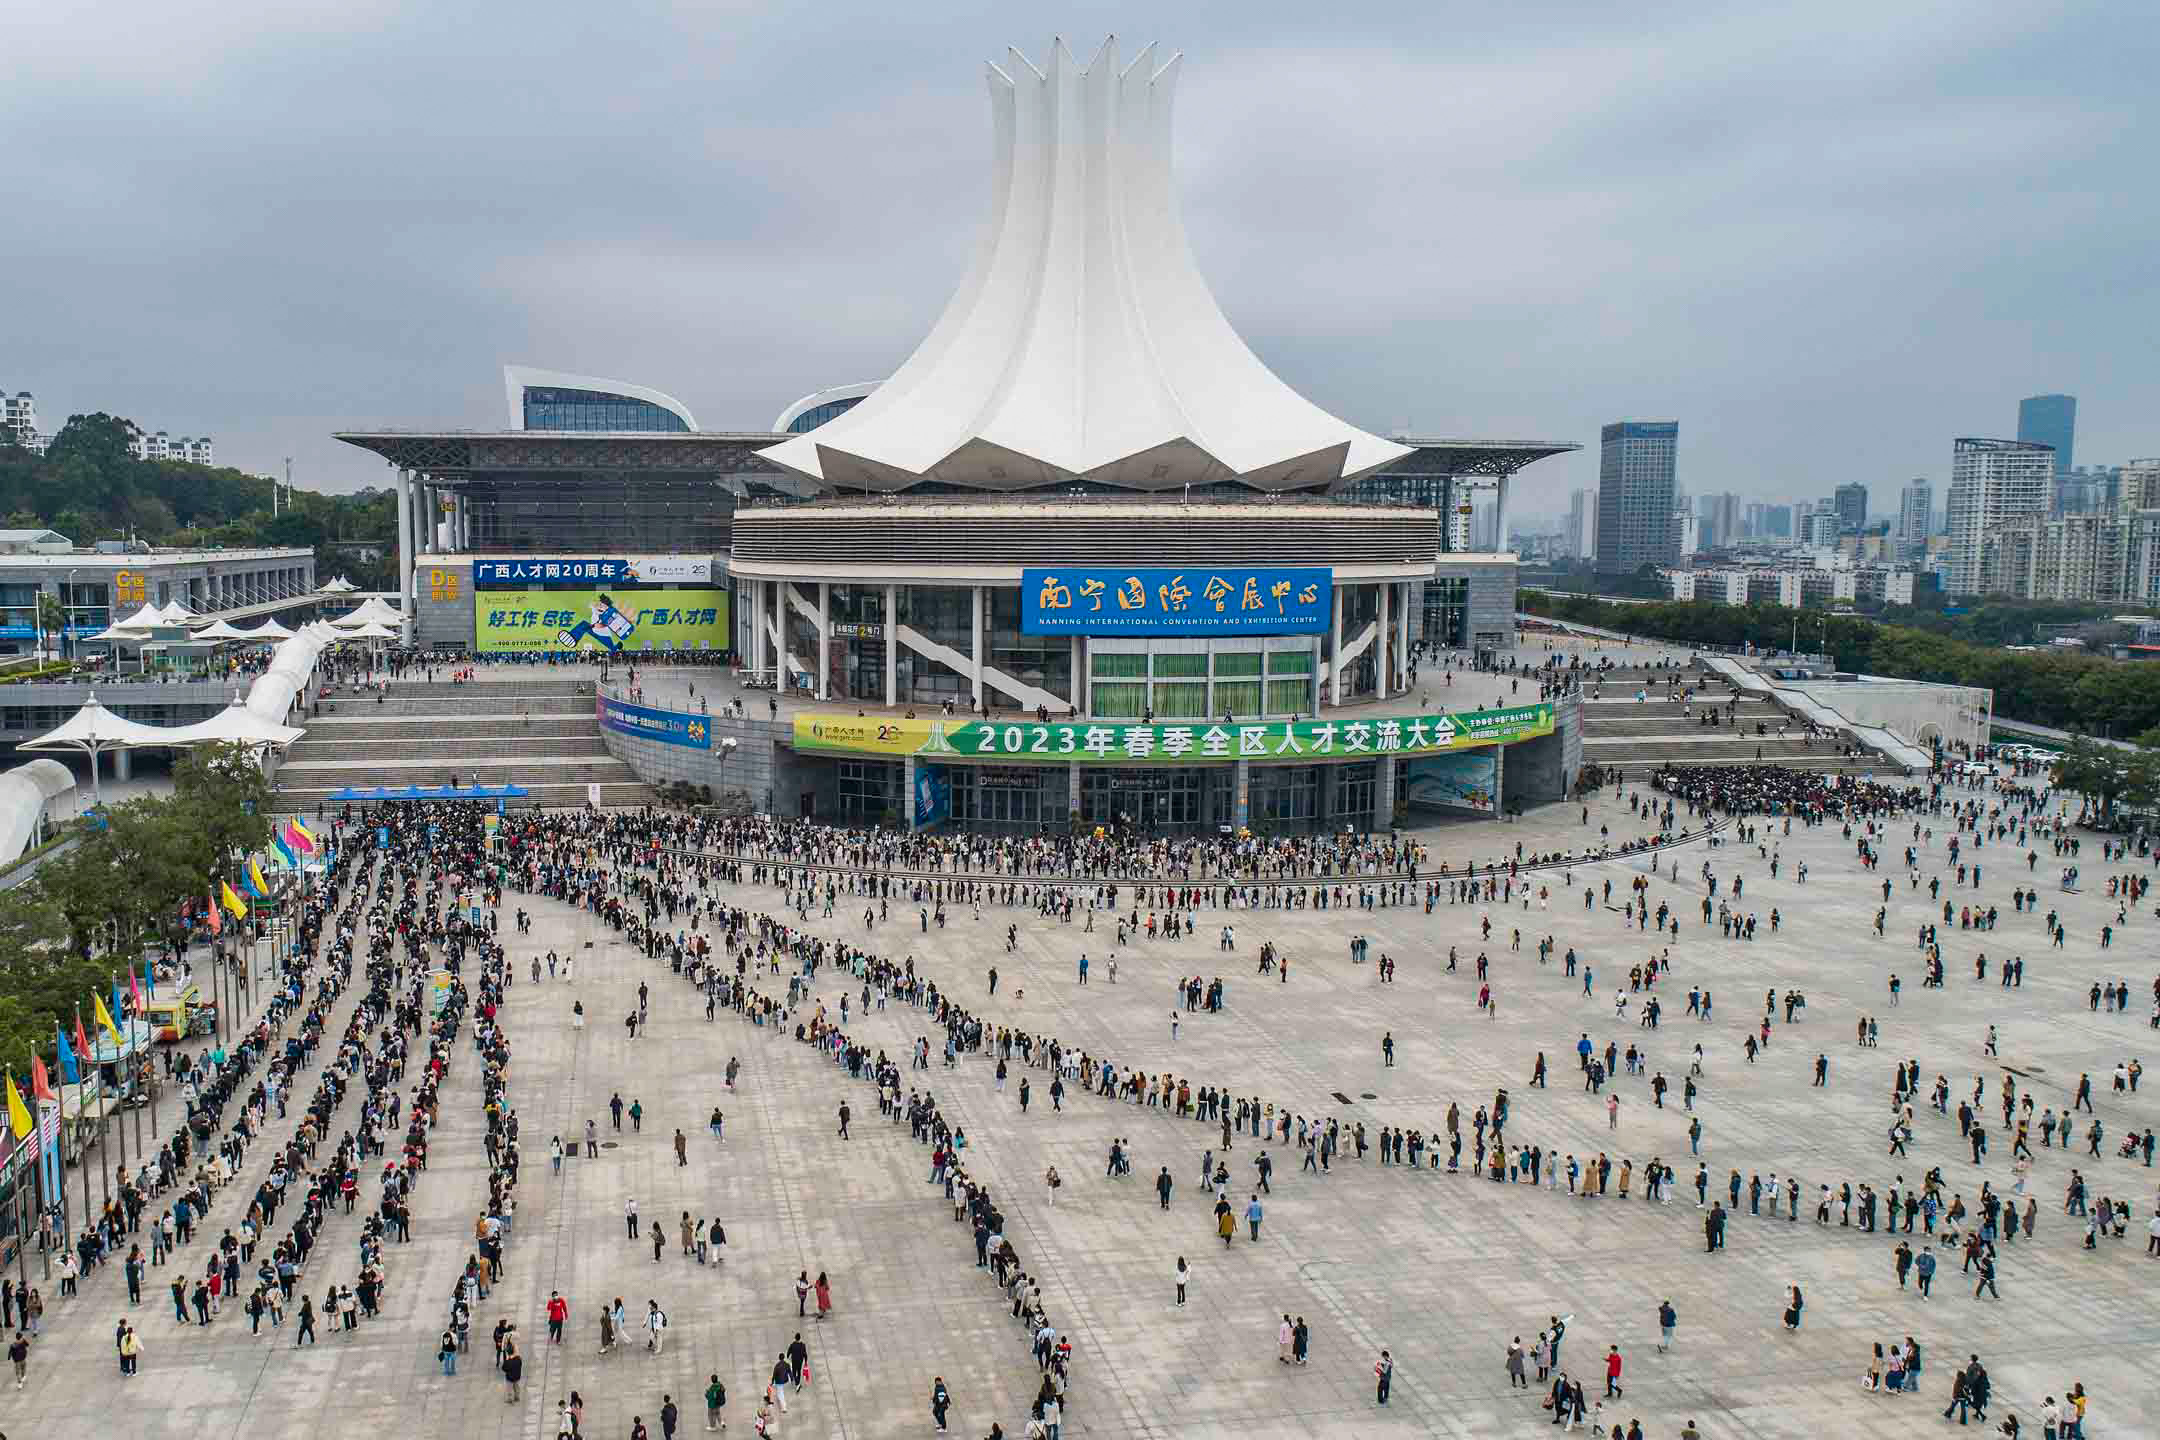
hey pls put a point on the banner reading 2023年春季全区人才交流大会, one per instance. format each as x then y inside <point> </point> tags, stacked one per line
<point>1111,743</point>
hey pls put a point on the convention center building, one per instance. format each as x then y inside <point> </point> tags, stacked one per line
<point>1081,559</point>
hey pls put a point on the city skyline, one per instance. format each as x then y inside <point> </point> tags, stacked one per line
<point>377,287</point>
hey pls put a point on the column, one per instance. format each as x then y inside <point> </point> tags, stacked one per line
<point>824,642</point>
<point>1241,794</point>
<point>1334,676</point>
<point>1079,659</point>
<point>1324,796</point>
<point>1500,517</point>
<point>405,539</point>
<point>1072,788</point>
<point>892,645</point>
<point>1383,806</point>
<point>1499,781</point>
<point>123,764</point>
<point>907,793</point>
<point>1402,629</point>
<point>1383,639</point>
<point>975,646</point>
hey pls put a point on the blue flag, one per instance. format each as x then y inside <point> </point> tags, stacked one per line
<point>119,1008</point>
<point>68,1068</point>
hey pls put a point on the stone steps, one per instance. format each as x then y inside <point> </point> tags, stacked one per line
<point>446,727</point>
<point>497,746</point>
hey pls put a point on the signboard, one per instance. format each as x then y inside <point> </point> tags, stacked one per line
<point>563,570</point>
<point>857,630</point>
<point>1161,600</point>
<point>508,622</point>
<point>933,794</point>
<point>1464,780</point>
<point>669,727</point>
<point>1119,744</point>
<point>439,989</point>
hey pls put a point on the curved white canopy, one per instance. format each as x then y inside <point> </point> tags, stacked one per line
<point>147,618</point>
<point>219,630</point>
<point>371,611</point>
<point>235,724</point>
<point>25,791</point>
<point>371,631</point>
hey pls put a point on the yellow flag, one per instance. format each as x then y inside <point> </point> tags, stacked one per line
<point>18,1113</point>
<point>232,901</point>
<point>104,1016</point>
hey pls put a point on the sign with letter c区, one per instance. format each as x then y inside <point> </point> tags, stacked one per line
<point>1167,600</point>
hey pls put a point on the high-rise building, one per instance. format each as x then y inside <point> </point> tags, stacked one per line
<point>1582,524</point>
<point>1777,522</point>
<point>18,418</point>
<point>1991,482</point>
<point>1850,502</point>
<point>1637,478</point>
<point>1916,517</point>
<point>2049,420</point>
<point>1720,517</point>
<point>1822,530</point>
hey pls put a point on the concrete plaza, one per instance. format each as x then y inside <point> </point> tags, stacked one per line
<point>1440,1269</point>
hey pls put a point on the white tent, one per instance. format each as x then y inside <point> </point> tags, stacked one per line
<point>370,631</point>
<point>93,730</point>
<point>237,724</point>
<point>147,618</point>
<point>175,613</point>
<point>339,586</point>
<point>371,611</point>
<point>219,630</point>
<point>268,630</point>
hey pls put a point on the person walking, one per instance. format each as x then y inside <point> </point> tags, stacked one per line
<point>715,1402</point>
<point>1252,1218</point>
<point>513,1373</point>
<point>669,1417</point>
<point>1285,1334</point>
<point>1667,1319</point>
<point>1384,1372</point>
<point>1612,1372</point>
<point>1794,1303</point>
<point>940,1402</point>
<point>824,1295</point>
<point>558,1311</point>
<point>1184,1277</point>
<point>19,1355</point>
<point>1517,1380</point>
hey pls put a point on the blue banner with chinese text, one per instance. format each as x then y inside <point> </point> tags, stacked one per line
<point>1167,600</point>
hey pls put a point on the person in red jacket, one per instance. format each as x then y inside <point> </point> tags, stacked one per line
<point>1612,1371</point>
<point>558,1311</point>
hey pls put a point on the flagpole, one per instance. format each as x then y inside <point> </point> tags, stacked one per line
<point>104,1174</point>
<point>119,1068</point>
<point>60,1136</point>
<point>48,1157</point>
<point>22,1172</point>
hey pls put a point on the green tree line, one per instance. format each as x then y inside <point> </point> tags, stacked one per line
<point>2069,690</point>
<point>89,488</point>
<point>91,913</point>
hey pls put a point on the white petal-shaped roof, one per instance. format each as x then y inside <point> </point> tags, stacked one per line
<point>1083,342</point>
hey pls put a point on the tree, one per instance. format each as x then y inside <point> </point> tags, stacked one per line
<point>221,795</point>
<point>42,979</point>
<point>51,618</point>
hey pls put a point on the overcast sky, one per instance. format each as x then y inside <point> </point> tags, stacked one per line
<point>1827,240</point>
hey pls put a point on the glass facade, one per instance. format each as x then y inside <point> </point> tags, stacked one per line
<point>1198,683</point>
<point>599,512</point>
<point>1026,797</point>
<point>1446,620</point>
<point>943,615</point>
<point>857,617</point>
<point>1182,798</point>
<point>869,789</point>
<point>549,407</point>
<point>1043,661</point>
<point>1284,795</point>
<point>817,415</point>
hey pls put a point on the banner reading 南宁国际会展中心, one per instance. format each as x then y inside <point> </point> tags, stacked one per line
<point>1113,743</point>
<point>1167,600</point>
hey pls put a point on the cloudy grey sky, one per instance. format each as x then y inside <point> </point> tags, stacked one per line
<point>1826,238</point>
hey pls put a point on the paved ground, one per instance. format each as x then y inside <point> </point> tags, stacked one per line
<point>1442,1270</point>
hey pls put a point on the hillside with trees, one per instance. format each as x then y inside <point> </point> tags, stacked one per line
<point>89,488</point>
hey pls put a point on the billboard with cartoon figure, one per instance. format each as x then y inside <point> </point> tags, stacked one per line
<point>624,622</point>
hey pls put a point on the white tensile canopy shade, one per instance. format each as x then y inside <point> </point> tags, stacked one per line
<point>93,730</point>
<point>25,792</point>
<point>219,630</point>
<point>175,613</point>
<point>372,611</point>
<point>147,618</point>
<point>235,724</point>
<point>339,586</point>
<point>268,630</point>
<point>370,631</point>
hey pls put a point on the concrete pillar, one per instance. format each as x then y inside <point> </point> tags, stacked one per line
<point>1325,800</point>
<point>1241,795</point>
<point>1079,659</point>
<point>907,793</point>
<point>975,646</point>
<point>1072,788</point>
<point>824,640</point>
<point>1383,640</point>
<point>1500,516</point>
<point>892,644</point>
<point>1334,674</point>
<point>1402,628</point>
<point>123,764</point>
<point>1383,805</point>
<point>405,546</point>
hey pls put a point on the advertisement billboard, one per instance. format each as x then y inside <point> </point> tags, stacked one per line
<point>1461,780</point>
<point>631,622</point>
<point>933,794</point>
<point>1079,742</point>
<point>1165,600</point>
<point>669,727</point>
<point>527,570</point>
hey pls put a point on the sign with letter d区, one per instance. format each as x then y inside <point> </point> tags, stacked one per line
<point>1172,600</point>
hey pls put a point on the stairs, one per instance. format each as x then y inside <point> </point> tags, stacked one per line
<point>1619,730</point>
<point>540,734</point>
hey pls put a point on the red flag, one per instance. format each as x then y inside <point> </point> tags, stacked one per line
<point>217,921</point>
<point>40,1083</point>
<point>135,989</point>
<point>82,1043</point>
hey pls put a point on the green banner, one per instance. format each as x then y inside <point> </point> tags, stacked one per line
<point>1109,743</point>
